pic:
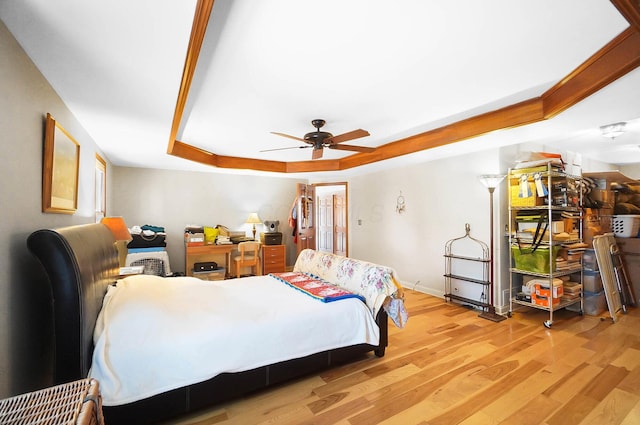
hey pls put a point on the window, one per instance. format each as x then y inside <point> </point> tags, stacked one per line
<point>101,188</point>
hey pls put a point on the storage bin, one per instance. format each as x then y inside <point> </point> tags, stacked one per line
<point>626,226</point>
<point>217,274</point>
<point>531,201</point>
<point>538,261</point>
<point>592,281</point>
<point>589,261</point>
<point>194,237</point>
<point>594,303</point>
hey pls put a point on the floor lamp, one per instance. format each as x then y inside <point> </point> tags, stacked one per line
<point>491,181</point>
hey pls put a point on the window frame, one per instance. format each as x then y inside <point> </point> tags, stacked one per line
<point>100,200</point>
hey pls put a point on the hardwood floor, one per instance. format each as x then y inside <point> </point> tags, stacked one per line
<point>448,366</point>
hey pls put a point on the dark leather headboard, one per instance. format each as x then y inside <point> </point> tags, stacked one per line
<point>80,262</point>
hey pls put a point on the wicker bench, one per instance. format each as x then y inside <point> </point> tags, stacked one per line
<point>77,402</point>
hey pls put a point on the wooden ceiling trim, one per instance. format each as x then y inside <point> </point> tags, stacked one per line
<point>620,56</point>
<point>312,166</point>
<point>616,59</point>
<point>187,151</point>
<point>515,115</point>
<point>630,9</point>
<point>198,30</point>
<point>236,162</point>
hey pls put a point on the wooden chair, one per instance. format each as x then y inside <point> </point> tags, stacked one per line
<point>249,257</point>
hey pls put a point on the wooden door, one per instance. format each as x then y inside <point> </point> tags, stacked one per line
<point>306,216</point>
<point>340,224</point>
<point>325,223</point>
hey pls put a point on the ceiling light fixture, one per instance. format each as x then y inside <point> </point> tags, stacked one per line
<point>613,130</point>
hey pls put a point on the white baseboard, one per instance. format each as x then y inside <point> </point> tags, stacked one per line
<point>440,294</point>
<point>417,286</point>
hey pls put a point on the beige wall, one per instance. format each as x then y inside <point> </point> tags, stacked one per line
<point>440,197</point>
<point>143,196</point>
<point>25,305</point>
<point>174,199</point>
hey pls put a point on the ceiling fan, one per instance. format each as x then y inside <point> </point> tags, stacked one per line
<point>318,140</point>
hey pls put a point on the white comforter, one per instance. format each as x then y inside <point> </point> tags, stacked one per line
<point>156,334</point>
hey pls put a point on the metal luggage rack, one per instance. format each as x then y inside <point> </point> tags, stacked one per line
<point>471,256</point>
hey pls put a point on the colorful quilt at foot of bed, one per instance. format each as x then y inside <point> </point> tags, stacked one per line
<point>314,286</point>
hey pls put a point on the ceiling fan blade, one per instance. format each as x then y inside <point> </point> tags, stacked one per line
<point>317,153</point>
<point>290,147</point>
<point>290,137</point>
<point>352,148</point>
<point>355,134</point>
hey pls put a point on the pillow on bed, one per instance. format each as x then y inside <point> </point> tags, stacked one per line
<point>374,282</point>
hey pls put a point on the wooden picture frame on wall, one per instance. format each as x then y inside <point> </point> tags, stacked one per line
<point>61,164</point>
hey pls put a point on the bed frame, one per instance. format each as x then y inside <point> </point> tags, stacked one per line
<point>81,262</point>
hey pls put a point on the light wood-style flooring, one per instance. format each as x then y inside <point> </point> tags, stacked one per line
<point>448,366</point>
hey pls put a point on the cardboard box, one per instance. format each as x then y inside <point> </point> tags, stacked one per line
<point>572,288</point>
<point>545,291</point>
<point>543,301</point>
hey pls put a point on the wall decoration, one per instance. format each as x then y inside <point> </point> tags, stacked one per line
<point>61,164</point>
<point>400,204</point>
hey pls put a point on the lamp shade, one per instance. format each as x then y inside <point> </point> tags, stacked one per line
<point>491,181</point>
<point>117,227</point>
<point>253,219</point>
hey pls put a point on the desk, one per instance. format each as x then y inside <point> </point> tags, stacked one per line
<point>208,252</point>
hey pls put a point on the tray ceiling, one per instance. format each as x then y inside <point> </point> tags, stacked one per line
<point>420,77</point>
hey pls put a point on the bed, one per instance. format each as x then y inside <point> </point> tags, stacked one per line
<point>81,264</point>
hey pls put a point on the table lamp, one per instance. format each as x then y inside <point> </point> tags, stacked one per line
<point>253,219</point>
<point>121,234</point>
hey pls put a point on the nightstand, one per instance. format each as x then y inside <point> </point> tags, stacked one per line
<point>273,259</point>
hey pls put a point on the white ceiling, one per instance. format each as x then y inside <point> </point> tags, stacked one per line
<point>392,68</point>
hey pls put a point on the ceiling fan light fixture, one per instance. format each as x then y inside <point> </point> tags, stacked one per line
<point>613,130</point>
<point>318,140</point>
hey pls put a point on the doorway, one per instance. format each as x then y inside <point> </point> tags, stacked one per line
<point>332,230</point>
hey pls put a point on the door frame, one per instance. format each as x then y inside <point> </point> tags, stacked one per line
<point>345,186</point>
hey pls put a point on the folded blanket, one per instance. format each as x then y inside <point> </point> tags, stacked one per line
<point>315,287</point>
<point>156,334</point>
